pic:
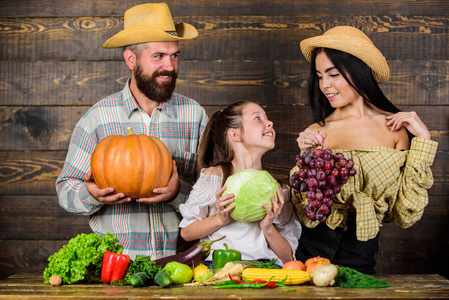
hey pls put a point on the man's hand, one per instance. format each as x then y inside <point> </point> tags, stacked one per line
<point>165,193</point>
<point>105,196</point>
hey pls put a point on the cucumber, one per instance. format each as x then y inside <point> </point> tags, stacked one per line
<point>162,279</point>
<point>140,279</point>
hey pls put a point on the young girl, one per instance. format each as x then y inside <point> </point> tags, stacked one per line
<point>353,116</point>
<point>235,139</point>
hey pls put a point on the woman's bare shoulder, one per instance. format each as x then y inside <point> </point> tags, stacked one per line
<point>316,126</point>
<point>402,140</point>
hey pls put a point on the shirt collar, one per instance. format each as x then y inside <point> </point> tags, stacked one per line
<point>128,99</point>
<point>167,107</point>
<point>131,103</point>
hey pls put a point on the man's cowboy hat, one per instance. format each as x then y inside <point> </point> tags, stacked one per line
<point>353,41</point>
<point>151,22</point>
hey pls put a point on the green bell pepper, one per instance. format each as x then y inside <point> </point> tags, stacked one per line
<point>221,257</point>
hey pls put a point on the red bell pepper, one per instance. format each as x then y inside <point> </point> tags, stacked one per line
<point>114,266</point>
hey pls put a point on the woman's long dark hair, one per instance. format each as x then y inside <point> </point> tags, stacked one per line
<point>362,80</point>
<point>214,147</point>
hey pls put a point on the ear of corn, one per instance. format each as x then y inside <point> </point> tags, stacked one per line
<point>294,277</point>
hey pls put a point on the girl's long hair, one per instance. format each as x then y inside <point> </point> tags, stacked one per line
<point>214,147</point>
<point>356,73</point>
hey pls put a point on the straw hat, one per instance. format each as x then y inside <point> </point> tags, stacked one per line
<point>151,22</point>
<point>353,41</point>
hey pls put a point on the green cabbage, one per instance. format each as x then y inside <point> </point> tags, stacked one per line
<point>251,188</point>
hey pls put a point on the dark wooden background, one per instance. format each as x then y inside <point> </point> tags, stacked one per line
<point>53,68</point>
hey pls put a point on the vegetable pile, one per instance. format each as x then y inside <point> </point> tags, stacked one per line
<point>251,188</point>
<point>91,258</point>
<point>81,259</point>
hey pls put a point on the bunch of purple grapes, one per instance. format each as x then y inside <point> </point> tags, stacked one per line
<point>321,175</point>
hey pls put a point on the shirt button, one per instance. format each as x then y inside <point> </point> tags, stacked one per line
<point>360,224</point>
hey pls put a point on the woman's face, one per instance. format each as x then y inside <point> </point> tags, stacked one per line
<point>257,130</point>
<point>332,83</point>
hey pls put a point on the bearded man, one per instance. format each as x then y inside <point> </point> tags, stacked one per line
<point>149,105</point>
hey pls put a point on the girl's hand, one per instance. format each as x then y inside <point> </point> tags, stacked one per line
<point>220,204</point>
<point>267,222</point>
<point>409,120</point>
<point>309,139</point>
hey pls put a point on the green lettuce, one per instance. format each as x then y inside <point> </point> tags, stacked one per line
<point>81,259</point>
<point>251,188</point>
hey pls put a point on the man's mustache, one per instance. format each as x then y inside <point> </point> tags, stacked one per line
<point>165,73</point>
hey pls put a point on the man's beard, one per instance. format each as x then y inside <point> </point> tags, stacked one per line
<point>148,85</point>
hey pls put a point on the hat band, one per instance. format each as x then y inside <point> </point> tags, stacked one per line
<point>173,33</point>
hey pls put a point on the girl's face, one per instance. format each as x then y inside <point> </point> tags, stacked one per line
<point>332,84</point>
<point>257,130</point>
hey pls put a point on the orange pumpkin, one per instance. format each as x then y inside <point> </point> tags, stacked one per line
<point>135,164</point>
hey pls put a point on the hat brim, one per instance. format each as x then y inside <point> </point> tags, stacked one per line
<point>144,34</point>
<point>359,48</point>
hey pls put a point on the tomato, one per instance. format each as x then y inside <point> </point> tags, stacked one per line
<point>294,265</point>
<point>313,263</point>
<point>178,273</point>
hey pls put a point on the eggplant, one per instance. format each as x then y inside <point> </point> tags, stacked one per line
<point>193,256</point>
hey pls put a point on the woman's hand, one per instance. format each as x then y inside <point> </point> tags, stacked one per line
<point>309,139</point>
<point>267,222</point>
<point>409,120</point>
<point>221,203</point>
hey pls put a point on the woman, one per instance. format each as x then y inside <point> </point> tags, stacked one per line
<point>353,116</point>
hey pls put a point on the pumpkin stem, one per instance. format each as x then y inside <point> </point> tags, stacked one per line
<point>129,130</point>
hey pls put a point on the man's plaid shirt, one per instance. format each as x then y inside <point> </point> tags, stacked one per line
<point>142,229</point>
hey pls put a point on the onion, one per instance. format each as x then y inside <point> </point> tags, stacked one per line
<point>55,280</point>
<point>324,275</point>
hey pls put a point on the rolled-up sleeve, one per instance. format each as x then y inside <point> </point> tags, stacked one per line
<point>416,179</point>
<point>72,192</point>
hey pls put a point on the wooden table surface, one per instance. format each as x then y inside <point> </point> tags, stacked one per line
<point>31,286</point>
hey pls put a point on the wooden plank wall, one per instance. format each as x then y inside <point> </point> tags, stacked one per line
<point>53,68</point>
